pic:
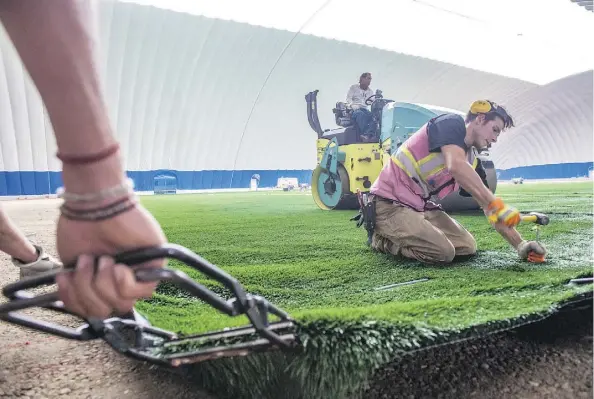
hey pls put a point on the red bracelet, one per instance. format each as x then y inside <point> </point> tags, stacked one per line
<point>86,159</point>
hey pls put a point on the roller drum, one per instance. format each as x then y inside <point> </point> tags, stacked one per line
<point>455,202</point>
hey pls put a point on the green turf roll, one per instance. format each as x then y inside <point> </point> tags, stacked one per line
<point>315,265</point>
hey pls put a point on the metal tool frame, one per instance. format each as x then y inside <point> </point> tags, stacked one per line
<point>156,345</point>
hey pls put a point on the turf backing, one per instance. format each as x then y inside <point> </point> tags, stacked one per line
<point>316,266</point>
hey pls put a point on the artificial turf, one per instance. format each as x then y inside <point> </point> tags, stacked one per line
<point>316,266</point>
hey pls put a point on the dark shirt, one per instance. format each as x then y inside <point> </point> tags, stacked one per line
<point>447,129</point>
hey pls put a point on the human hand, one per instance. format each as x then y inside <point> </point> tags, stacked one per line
<point>532,251</point>
<point>113,288</point>
<point>498,212</point>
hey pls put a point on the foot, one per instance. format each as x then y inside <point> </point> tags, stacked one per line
<point>43,264</point>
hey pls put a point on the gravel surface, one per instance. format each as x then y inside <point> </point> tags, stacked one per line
<point>552,359</point>
<point>34,365</point>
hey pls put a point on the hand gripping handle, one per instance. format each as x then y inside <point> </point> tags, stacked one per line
<point>242,303</point>
<point>132,258</point>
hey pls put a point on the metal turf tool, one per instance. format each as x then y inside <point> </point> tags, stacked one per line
<point>540,219</point>
<point>135,338</point>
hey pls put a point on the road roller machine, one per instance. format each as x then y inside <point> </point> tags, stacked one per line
<point>348,162</point>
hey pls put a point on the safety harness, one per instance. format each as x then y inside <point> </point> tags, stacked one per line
<point>428,166</point>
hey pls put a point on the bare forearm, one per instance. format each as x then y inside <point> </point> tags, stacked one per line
<point>471,182</point>
<point>466,176</point>
<point>55,45</point>
<point>54,41</point>
<point>510,234</point>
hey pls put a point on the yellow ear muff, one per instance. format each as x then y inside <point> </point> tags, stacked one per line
<point>480,107</point>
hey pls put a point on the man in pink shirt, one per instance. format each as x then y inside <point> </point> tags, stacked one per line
<point>438,159</point>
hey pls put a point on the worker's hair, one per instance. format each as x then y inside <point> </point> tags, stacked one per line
<point>365,75</point>
<point>497,111</point>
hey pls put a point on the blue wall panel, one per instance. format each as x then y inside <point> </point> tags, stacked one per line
<point>3,188</point>
<point>28,183</point>
<point>141,179</point>
<point>13,182</point>
<point>551,171</point>
<point>42,181</point>
<point>55,182</point>
<point>39,183</point>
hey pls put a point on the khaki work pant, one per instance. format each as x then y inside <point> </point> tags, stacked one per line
<point>430,237</point>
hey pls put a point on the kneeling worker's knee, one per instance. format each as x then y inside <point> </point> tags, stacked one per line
<point>473,246</point>
<point>447,253</point>
<point>469,247</point>
<point>438,253</point>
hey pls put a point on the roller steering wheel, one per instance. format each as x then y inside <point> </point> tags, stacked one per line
<point>367,102</point>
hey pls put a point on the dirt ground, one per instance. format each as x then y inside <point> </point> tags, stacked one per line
<point>34,365</point>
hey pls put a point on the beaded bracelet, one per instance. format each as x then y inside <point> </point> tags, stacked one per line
<point>124,188</point>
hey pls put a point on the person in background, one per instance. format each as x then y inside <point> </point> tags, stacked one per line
<point>100,215</point>
<point>355,99</point>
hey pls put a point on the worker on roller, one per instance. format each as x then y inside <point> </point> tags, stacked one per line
<point>355,99</point>
<point>437,160</point>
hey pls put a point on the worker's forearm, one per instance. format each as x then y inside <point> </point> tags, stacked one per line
<point>510,234</point>
<point>55,45</point>
<point>54,41</point>
<point>467,177</point>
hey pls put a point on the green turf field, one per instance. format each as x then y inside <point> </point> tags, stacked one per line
<point>315,265</point>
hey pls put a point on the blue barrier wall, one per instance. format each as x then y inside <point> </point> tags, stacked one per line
<point>39,183</point>
<point>551,171</point>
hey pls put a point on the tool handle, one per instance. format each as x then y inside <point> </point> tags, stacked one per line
<point>133,258</point>
<point>114,330</point>
<point>255,308</point>
<point>529,218</point>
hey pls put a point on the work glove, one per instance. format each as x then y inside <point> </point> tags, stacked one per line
<point>498,212</point>
<point>532,251</point>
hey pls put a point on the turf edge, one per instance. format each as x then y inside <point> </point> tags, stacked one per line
<point>336,358</point>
